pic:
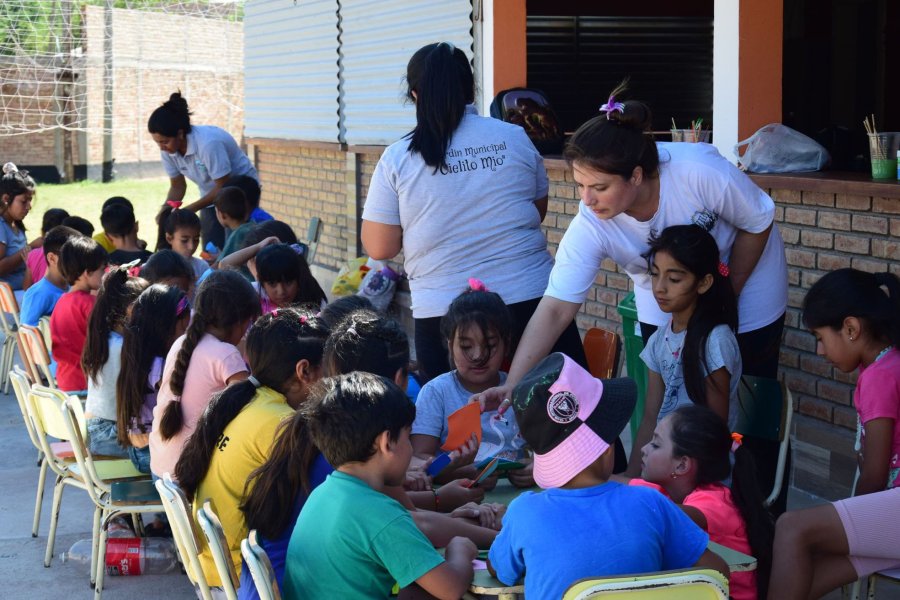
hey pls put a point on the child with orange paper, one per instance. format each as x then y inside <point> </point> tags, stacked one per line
<point>478,329</point>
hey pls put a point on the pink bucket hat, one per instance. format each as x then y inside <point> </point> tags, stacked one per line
<point>568,417</point>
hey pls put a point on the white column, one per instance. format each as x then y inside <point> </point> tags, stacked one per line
<point>486,58</point>
<point>726,63</point>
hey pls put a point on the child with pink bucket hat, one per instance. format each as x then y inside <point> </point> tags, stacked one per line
<point>582,524</point>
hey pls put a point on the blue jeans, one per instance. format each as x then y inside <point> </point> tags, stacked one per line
<point>140,458</point>
<point>102,438</point>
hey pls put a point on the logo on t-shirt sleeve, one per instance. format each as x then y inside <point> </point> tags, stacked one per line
<point>705,219</point>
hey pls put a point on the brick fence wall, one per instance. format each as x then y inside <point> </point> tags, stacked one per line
<point>822,230</point>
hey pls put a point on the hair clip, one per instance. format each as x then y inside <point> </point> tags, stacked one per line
<point>723,269</point>
<point>174,203</point>
<point>254,381</point>
<point>477,285</point>
<point>297,248</point>
<point>612,106</point>
<point>275,313</point>
<point>183,304</point>
<point>352,330</point>
<point>10,167</point>
<point>303,319</point>
<point>736,440</point>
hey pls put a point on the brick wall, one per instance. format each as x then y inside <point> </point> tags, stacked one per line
<point>823,230</point>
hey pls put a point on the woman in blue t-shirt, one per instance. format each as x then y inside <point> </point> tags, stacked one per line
<point>278,490</point>
<point>16,193</point>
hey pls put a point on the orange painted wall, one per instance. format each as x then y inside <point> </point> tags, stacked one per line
<point>760,64</point>
<point>510,56</point>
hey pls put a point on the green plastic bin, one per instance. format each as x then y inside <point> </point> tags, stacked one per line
<point>634,343</point>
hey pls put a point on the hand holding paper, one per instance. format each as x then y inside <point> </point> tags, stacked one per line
<point>461,425</point>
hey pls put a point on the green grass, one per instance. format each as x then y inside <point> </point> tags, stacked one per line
<point>85,198</point>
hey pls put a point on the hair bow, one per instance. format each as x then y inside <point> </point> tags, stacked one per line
<point>303,319</point>
<point>10,167</point>
<point>612,106</point>
<point>183,305</point>
<point>477,285</point>
<point>736,440</point>
<point>174,203</point>
<point>723,269</point>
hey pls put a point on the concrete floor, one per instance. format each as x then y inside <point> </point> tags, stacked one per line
<point>21,556</point>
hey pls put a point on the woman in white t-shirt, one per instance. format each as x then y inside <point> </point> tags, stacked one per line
<point>463,196</point>
<point>631,186</point>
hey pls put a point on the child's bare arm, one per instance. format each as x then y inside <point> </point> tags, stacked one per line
<point>876,456</point>
<point>451,579</point>
<point>440,529</point>
<point>711,560</point>
<point>718,386</point>
<point>654,396</point>
<point>240,257</point>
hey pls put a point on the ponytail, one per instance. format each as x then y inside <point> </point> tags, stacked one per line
<point>172,116</point>
<point>699,433</point>
<point>271,490</point>
<point>441,78</point>
<point>221,410</point>
<point>117,291</point>
<point>161,242</point>
<point>173,419</point>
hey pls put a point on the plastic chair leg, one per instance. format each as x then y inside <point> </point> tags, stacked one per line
<point>7,363</point>
<point>39,500</point>
<point>100,565</point>
<point>870,587</point>
<point>54,519</point>
<point>95,542</point>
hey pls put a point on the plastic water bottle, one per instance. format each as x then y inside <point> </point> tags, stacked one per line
<point>129,556</point>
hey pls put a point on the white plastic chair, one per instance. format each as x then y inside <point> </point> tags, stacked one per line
<point>212,528</point>
<point>685,584</point>
<point>260,568</point>
<point>178,511</point>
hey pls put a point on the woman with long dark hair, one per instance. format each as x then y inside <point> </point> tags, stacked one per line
<point>463,196</point>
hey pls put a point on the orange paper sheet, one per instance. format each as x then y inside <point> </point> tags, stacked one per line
<point>461,425</point>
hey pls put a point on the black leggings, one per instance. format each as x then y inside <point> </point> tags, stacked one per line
<point>433,357</point>
<point>759,355</point>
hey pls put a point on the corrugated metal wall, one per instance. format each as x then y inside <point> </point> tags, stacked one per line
<point>577,61</point>
<point>378,38</point>
<point>326,70</point>
<point>291,69</point>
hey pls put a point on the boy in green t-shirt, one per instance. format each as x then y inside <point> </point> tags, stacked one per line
<point>351,540</point>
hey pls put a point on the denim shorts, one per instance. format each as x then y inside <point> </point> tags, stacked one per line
<point>102,438</point>
<point>140,458</point>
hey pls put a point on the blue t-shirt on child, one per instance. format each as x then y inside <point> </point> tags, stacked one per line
<point>276,549</point>
<point>605,530</point>
<point>444,395</point>
<point>39,301</point>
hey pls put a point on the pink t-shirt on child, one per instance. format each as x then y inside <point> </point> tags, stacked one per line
<point>37,264</point>
<point>212,363</point>
<point>877,396</point>
<point>724,525</point>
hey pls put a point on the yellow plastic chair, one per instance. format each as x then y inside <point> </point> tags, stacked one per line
<point>683,584</point>
<point>99,476</point>
<point>10,326</point>
<point>212,528</point>
<point>260,568</point>
<point>765,410</point>
<point>46,410</point>
<point>44,326</point>
<point>33,340</point>
<point>61,450</point>
<point>178,511</point>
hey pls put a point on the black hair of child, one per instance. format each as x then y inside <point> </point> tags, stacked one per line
<point>79,254</point>
<point>118,290</point>
<point>14,183</point>
<point>79,224</point>
<point>701,434</point>
<point>347,413</point>
<point>117,201</point>
<point>167,265</point>
<point>616,142</point>
<point>170,118</point>
<point>367,341</point>
<point>224,299</point>
<point>441,78</point>
<point>339,308</point>
<point>53,217</point>
<point>148,335</point>
<point>277,263</point>
<point>170,221</point>
<point>482,309</point>
<point>694,248</point>
<point>853,293</point>
<point>248,185</point>
<point>279,229</point>
<point>118,220</point>
<point>55,238</point>
<point>232,202</point>
<point>275,344</point>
